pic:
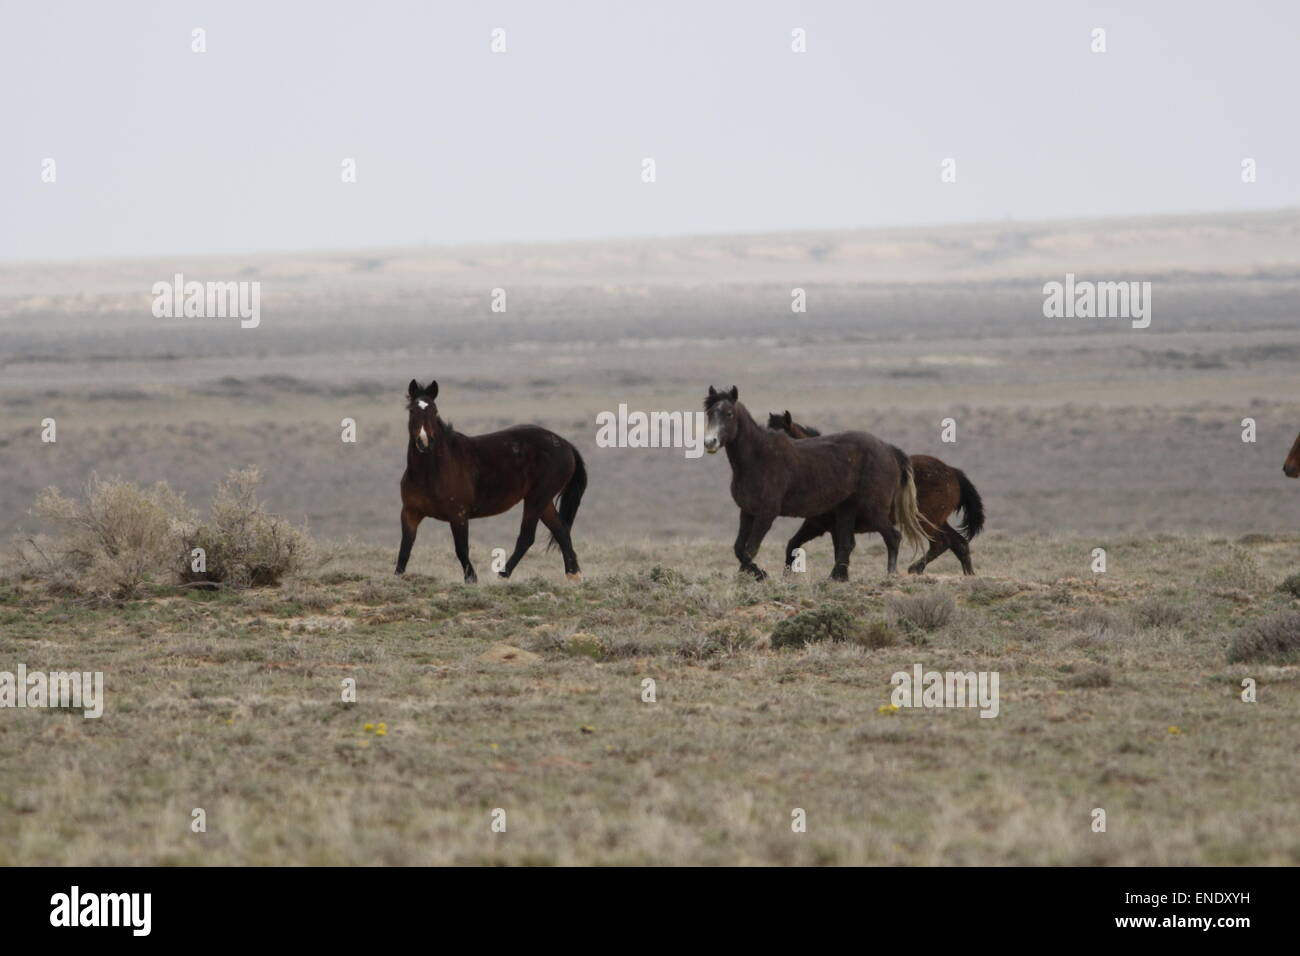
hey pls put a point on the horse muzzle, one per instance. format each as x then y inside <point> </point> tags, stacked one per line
<point>1290,470</point>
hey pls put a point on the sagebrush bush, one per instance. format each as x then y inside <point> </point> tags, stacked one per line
<point>831,623</point>
<point>875,635</point>
<point>982,591</point>
<point>1238,569</point>
<point>929,611</point>
<point>668,576</point>
<point>1291,585</point>
<point>1269,640</point>
<point>244,545</point>
<point>119,538</point>
<point>110,544</point>
<point>1099,622</point>
<point>1092,676</point>
<point>1157,612</point>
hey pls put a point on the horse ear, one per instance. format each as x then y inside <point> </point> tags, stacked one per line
<point>432,389</point>
<point>413,389</point>
<point>733,394</point>
<point>788,417</point>
<point>712,391</point>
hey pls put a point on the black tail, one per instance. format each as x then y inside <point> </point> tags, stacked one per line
<point>971,506</point>
<point>571,496</point>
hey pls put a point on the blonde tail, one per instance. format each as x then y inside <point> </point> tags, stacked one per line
<point>908,515</point>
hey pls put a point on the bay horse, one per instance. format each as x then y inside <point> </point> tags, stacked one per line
<point>940,491</point>
<point>853,479</point>
<point>455,477</point>
<point>1291,467</point>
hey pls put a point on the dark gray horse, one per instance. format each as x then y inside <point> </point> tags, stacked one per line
<point>859,480</point>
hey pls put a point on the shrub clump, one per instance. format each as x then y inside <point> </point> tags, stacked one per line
<point>1094,676</point>
<point>583,644</point>
<point>667,576</point>
<point>831,623</point>
<point>243,545</point>
<point>1099,622</point>
<point>120,538</point>
<point>928,612</point>
<point>1156,612</point>
<point>1272,640</point>
<point>1291,586</point>
<point>876,635</point>
<point>110,545</point>
<point>1238,570</point>
<point>983,591</point>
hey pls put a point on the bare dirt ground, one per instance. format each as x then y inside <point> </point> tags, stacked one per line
<point>1079,433</point>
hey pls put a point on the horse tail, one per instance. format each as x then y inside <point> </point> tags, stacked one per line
<point>906,512</point>
<point>571,496</point>
<point>972,507</point>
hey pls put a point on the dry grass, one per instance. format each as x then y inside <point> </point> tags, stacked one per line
<point>528,696</point>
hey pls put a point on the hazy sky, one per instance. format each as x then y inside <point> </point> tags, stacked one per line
<point>160,150</point>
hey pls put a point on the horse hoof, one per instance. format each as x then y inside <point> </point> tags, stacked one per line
<point>759,574</point>
<point>471,578</point>
<point>916,569</point>
<point>504,574</point>
<point>575,576</point>
<point>840,573</point>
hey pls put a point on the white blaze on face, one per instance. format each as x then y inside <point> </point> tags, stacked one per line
<point>711,435</point>
<point>424,436</point>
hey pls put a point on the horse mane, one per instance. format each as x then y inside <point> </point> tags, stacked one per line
<point>810,431</point>
<point>711,400</point>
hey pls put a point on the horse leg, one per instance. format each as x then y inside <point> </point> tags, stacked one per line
<point>845,516</point>
<point>811,528</point>
<point>742,536</point>
<point>410,522</point>
<point>960,548</point>
<point>937,547</point>
<point>460,534</point>
<point>527,534</point>
<point>892,538</point>
<point>555,524</point>
<point>758,528</point>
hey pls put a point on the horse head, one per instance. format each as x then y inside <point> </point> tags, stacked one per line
<point>720,409</point>
<point>786,423</point>
<point>423,424</point>
<point>1291,467</point>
